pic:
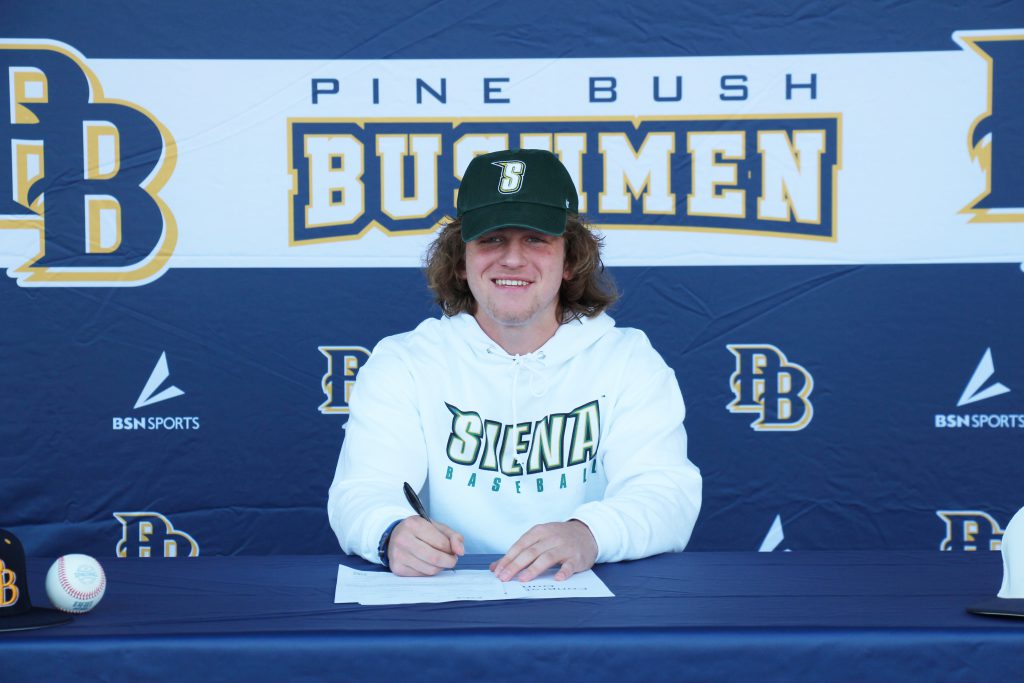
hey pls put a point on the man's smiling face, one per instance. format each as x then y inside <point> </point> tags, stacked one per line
<point>515,275</point>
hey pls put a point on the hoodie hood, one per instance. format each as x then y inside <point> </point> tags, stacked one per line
<point>570,339</point>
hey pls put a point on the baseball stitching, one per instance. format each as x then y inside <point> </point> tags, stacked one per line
<point>74,592</point>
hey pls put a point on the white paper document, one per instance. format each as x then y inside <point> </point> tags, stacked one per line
<point>384,588</point>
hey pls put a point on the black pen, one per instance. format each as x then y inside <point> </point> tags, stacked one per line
<point>414,501</point>
<point>417,504</point>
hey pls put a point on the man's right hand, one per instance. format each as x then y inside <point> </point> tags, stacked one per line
<point>421,548</point>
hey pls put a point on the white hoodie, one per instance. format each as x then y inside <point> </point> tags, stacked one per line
<point>588,427</point>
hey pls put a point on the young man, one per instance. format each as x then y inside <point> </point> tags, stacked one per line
<point>543,432</point>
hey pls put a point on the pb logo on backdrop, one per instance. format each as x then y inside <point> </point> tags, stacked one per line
<point>969,531</point>
<point>996,139</point>
<point>82,170</point>
<point>343,364</point>
<point>150,534</point>
<point>768,384</point>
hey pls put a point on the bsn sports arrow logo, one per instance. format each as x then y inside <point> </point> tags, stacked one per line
<point>151,394</point>
<point>159,375</point>
<point>981,387</point>
<point>973,392</point>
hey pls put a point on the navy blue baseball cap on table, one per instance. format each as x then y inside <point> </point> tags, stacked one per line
<point>16,610</point>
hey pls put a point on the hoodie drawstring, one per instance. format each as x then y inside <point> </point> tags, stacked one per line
<point>534,364</point>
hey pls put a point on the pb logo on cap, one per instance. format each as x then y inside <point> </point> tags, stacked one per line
<point>16,610</point>
<point>8,586</point>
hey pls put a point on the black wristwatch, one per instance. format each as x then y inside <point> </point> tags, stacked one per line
<point>382,547</point>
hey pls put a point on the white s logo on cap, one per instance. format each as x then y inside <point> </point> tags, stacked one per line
<point>512,173</point>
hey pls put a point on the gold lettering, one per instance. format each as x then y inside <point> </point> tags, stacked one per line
<point>8,587</point>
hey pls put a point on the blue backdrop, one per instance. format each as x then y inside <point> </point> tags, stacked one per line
<point>239,458</point>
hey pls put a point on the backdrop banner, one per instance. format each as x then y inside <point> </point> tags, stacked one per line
<point>209,216</point>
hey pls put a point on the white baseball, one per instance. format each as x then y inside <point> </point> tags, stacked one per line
<point>75,583</point>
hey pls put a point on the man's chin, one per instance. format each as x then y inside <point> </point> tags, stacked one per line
<point>510,319</point>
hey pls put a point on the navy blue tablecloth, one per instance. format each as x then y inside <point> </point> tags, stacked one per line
<point>801,616</point>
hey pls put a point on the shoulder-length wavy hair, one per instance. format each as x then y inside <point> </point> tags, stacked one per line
<point>587,291</point>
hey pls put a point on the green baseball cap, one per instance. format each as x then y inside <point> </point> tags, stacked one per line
<point>515,188</point>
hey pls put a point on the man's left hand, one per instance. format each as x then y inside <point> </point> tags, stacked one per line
<point>569,544</point>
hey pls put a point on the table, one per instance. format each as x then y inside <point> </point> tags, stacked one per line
<point>800,616</point>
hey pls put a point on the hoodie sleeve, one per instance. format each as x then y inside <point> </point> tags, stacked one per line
<point>383,448</point>
<point>653,492</point>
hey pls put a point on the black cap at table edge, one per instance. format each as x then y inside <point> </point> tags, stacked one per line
<point>999,607</point>
<point>20,614</point>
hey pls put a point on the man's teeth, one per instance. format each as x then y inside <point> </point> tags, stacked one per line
<point>512,283</point>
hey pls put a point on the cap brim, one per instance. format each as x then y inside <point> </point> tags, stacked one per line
<point>1000,607</point>
<point>549,220</point>
<point>37,617</point>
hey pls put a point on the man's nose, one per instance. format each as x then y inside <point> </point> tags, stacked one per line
<point>513,254</point>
